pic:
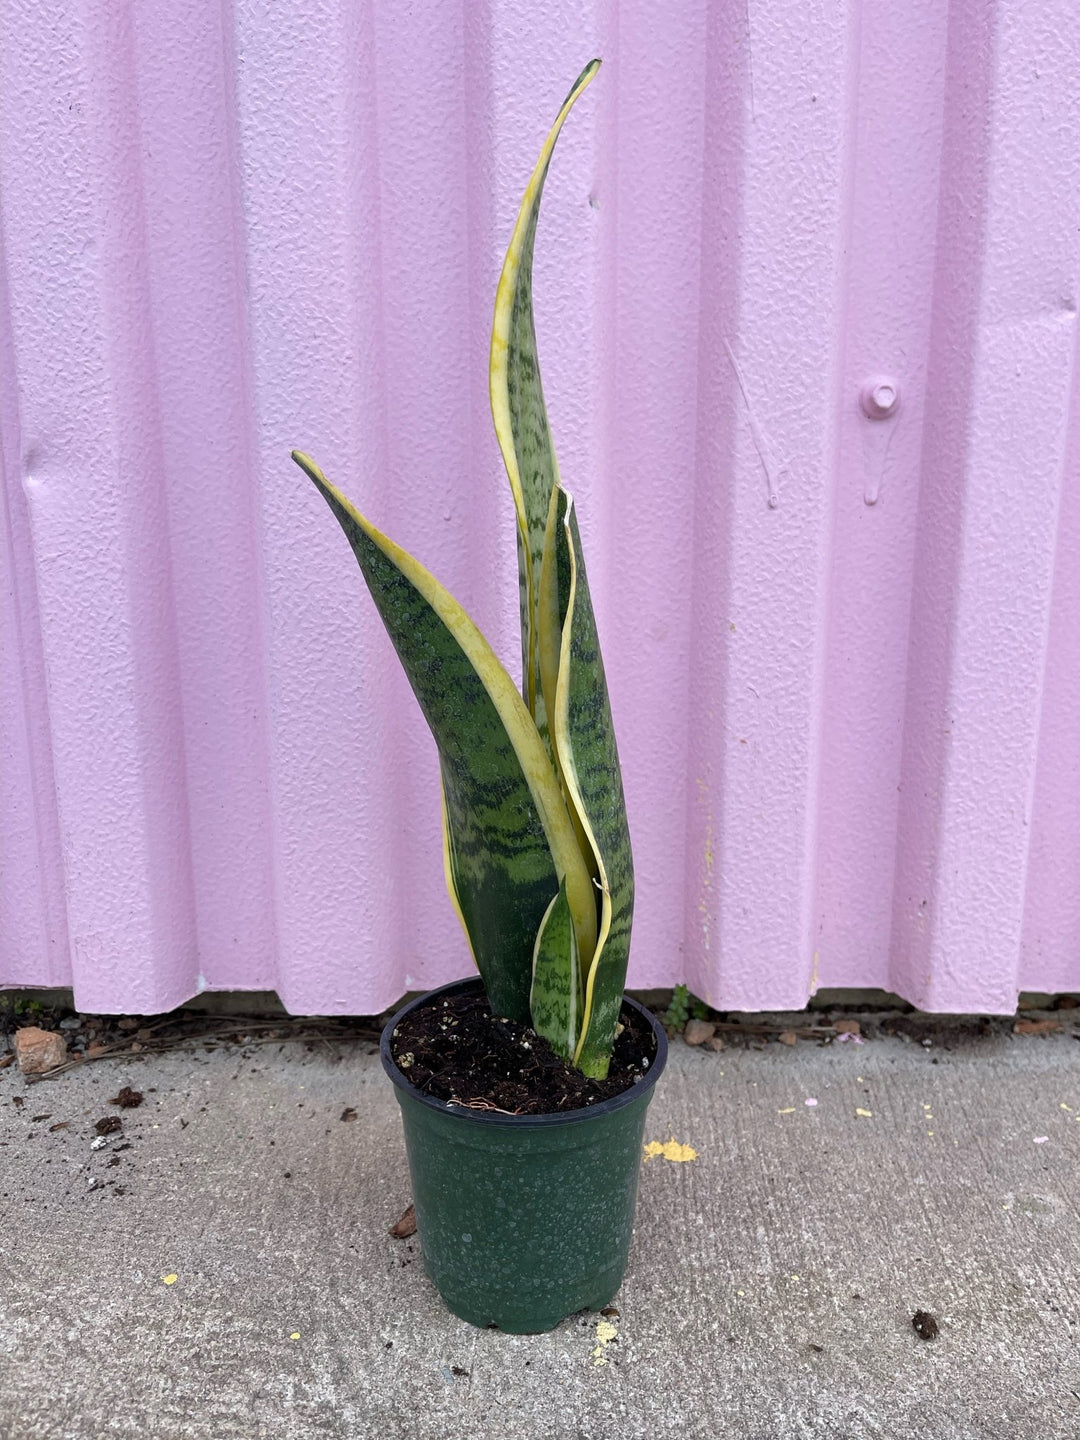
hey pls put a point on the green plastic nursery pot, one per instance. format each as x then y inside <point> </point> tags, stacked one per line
<point>523,1219</point>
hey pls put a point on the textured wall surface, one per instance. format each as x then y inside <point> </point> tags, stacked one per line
<point>843,647</point>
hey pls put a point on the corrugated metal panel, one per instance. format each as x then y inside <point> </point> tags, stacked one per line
<point>844,651</point>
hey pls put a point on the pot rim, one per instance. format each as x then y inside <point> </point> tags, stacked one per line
<point>634,1093</point>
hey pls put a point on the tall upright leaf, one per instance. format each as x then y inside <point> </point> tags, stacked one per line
<point>510,843</point>
<point>517,406</point>
<point>588,761</point>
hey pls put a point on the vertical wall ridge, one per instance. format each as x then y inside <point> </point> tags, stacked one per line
<point>264,945</point>
<point>957,281</point>
<point>134,371</point>
<point>840,401</point>
<point>892,185</point>
<point>723,120</point>
<point>33,916</point>
<point>1051,931</point>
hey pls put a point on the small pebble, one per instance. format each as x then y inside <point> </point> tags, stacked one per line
<point>39,1051</point>
<point>698,1031</point>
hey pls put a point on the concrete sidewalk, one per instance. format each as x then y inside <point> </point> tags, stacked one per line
<point>771,1287</point>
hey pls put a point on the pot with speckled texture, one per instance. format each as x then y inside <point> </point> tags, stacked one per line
<point>523,1219</point>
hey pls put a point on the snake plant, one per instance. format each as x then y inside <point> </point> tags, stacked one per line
<point>536,849</point>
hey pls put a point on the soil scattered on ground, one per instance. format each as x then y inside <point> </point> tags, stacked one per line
<point>127,1099</point>
<point>456,1050</point>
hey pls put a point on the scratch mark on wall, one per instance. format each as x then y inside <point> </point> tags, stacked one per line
<point>877,441</point>
<point>761,440</point>
<point>750,59</point>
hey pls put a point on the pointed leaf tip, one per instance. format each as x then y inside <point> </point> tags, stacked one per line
<point>517,405</point>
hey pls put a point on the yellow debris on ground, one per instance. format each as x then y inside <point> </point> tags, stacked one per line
<point>605,1333</point>
<point>670,1150</point>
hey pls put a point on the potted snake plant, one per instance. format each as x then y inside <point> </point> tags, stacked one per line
<point>523,1217</point>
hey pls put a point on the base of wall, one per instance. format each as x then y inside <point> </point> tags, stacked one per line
<point>266,1002</point>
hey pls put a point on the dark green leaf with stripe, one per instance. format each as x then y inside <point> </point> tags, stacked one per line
<point>503,868</point>
<point>529,439</point>
<point>585,739</point>
<point>555,1000</point>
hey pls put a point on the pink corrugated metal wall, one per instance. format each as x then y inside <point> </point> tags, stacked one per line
<point>844,647</point>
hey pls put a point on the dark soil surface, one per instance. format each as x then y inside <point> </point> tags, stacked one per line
<point>455,1049</point>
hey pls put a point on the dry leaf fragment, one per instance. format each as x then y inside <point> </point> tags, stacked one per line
<point>406,1226</point>
<point>847,1027</point>
<point>788,1037</point>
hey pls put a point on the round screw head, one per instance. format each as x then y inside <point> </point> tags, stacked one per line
<point>879,397</point>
